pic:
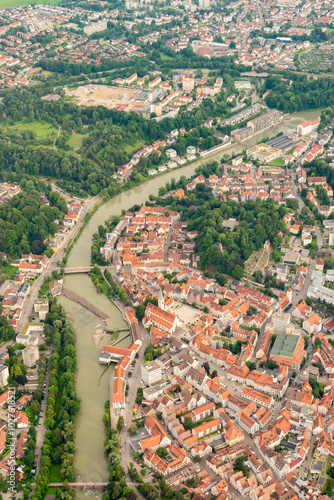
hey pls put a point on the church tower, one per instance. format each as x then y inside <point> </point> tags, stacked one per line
<point>161,301</point>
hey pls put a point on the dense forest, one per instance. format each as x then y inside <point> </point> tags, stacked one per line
<point>25,222</point>
<point>296,92</point>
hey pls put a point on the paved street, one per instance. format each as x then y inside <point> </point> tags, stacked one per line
<point>40,428</point>
<point>297,296</point>
<point>134,382</point>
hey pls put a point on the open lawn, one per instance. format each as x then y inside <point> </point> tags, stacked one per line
<point>75,140</point>
<point>278,162</point>
<point>40,129</point>
<point>7,4</point>
<point>55,476</point>
<point>131,148</point>
<point>128,148</point>
<point>224,339</point>
<point>164,56</point>
<point>51,490</point>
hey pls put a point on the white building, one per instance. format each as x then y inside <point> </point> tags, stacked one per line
<point>171,153</point>
<point>95,27</point>
<point>280,322</point>
<point>151,373</point>
<point>307,127</point>
<point>30,355</point>
<point>312,324</point>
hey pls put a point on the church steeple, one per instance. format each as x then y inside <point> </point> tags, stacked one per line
<point>161,301</point>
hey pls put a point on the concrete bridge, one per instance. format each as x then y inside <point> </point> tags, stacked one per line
<point>83,302</point>
<point>77,270</point>
<point>93,485</point>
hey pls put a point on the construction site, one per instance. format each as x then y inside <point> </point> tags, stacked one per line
<point>122,98</point>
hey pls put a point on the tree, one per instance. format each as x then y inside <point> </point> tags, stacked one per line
<point>240,465</point>
<point>206,367</point>
<point>188,423</point>
<point>165,488</point>
<point>140,311</point>
<point>120,423</point>
<point>272,365</point>
<point>258,276</point>
<point>237,272</point>
<point>133,429</point>
<point>131,495</point>
<point>317,343</point>
<point>197,458</point>
<point>15,371</point>
<point>162,451</point>
<point>251,365</point>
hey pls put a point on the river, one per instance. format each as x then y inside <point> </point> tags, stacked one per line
<point>90,460</point>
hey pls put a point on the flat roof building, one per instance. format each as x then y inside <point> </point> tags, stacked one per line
<point>151,373</point>
<point>288,350</point>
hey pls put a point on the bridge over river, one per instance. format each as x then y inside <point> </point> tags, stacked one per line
<point>91,485</point>
<point>77,270</point>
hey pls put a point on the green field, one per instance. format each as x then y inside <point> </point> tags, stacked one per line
<point>164,56</point>
<point>131,148</point>
<point>9,4</point>
<point>55,476</point>
<point>40,129</point>
<point>75,140</point>
<point>128,148</point>
<point>278,162</point>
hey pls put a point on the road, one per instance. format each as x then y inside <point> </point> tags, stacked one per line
<point>260,13</point>
<point>40,428</point>
<point>130,401</point>
<point>167,242</point>
<point>52,265</point>
<point>296,296</point>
